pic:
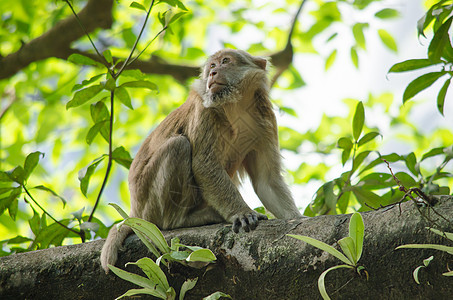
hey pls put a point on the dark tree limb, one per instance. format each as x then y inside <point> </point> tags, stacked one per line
<point>263,264</point>
<point>56,42</point>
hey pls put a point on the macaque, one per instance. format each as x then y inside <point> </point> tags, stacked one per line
<point>187,171</point>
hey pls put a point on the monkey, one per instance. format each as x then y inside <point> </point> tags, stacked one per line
<point>187,171</point>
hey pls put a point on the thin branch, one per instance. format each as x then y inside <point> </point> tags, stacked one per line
<point>109,164</point>
<point>126,62</point>
<point>144,49</point>
<point>79,233</point>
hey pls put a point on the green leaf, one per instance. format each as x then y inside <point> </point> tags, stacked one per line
<point>179,255</point>
<point>448,235</point>
<point>84,95</point>
<point>357,31</point>
<point>144,291</point>
<point>86,82</point>
<point>140,281</point>
<point>348,247</point>
<point>448,273</point>
<point>176,16</point>
<point>217,295</point>
<point>43,188</point>
<point>85,174</point>
<point>13,208</point>
<point>358,120</point>
<point>323,246</point>
<point>433,152</point>
<point>367,138</point>
<point>415,274</point>
<point>7,201</point>
<point>150,231</point>
<point>84,60</point>
<point>357,233</point>
<point>329,197</point>
<point>53,234</point>
<point>122,213</point>
<point>4,177</point>
<point>122,95</point>
<point>17,175</point>
<point>427,246</point>
<point>203,255</point>
<point>321,279</point>
<point>344,143</point>
<point>174,3</point>
<point>35,223</point>
<point>387,13</point>
<point>331,59</point>
<point>421,83</point>
<point>140,84</point>
<point>388,40</point>
<point>354,57</point>
<point>439,41</point>
<point>411,64</point>
<point>16,240</point>
<point>108,56</point>
<point>428,260</point>
<point>345,155</point>
<point>364,196</point>
<point>95,129</point>
<point>121,156</point>
<point>411,163</point>
<point>441,96</point>
<point>153,271</point>
<point>99,112</point>
<point>31,162</point>
<point>138,6</point>
<point>187,286</point>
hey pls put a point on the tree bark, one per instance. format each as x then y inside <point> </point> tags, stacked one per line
<point>263,264</point>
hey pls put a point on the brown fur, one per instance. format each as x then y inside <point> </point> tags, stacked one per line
<point>187,170</point>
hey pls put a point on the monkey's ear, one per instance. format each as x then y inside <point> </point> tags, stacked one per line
<point>260,62</point>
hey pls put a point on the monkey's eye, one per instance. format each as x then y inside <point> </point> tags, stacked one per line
<point>212,66</point>
<point>225,60</point>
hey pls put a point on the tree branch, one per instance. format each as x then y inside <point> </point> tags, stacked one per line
<point>56,42</point>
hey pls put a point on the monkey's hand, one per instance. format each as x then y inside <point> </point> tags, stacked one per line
<point>248,221</point>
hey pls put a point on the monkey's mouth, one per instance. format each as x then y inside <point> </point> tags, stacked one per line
<point>216,87</point>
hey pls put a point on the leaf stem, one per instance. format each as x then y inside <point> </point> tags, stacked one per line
<point>79,233</point>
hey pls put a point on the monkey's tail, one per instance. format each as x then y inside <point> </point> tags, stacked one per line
<point>109,253</point>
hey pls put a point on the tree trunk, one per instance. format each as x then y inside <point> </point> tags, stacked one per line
<point>263,264</point>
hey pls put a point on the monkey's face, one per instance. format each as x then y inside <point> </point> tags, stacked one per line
<point>223,75</point>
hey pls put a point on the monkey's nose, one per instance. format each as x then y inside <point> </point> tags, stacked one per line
<point>213,73</point>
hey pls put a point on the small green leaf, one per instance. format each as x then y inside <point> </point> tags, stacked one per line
<point>122,213</point>
<point>427,246</point>
<point>428,260</point>
<point>367,138</point>
<point>411,162</point>
<point>387,13</point>
<point>85,174</point>
<point>448,235</point>
<point>217,295</point>
<point>108,56</point>
<point>176,16</point>
<point>357,31</point>
<point>153,271</point>
<point>140,84</point>
<point>388,40</point>
<point>84,95</point>
<point>203,255</point>
<point>137,6</point>
<point>439,41</point>
<point>4,177</point>
<point>13,208</point>
<point>348,247</point>
<point>421,83</point>
<point>174,3</point>
<point>330,199</point>
<point>345,156</point>
<point>86,82</point>
<point>146,283</point>
<point>31,162</point>
<point>358,120</point>
<point>415,274</point>
<point>43,188</point>
<point>150,231</point>
<point>323,246</point>
<point>143,291</point>
<point>321,279</point>
<point>357,233</point>
<point>17,175</point>
<point>35,223</point>
<point>187,286</point>
<point>122,95</point>
<point>94,130</point>
<point>344,143</point>
<point>411,64</point>
<point>121,156</point>
<point>358,160</point>
<point>448,273</point>
<point>84,60</point>
<point>355,57</point>
<point>331,59</point>
<point>441,96</point>
<point>364,196</point>
<point>433,152</point>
